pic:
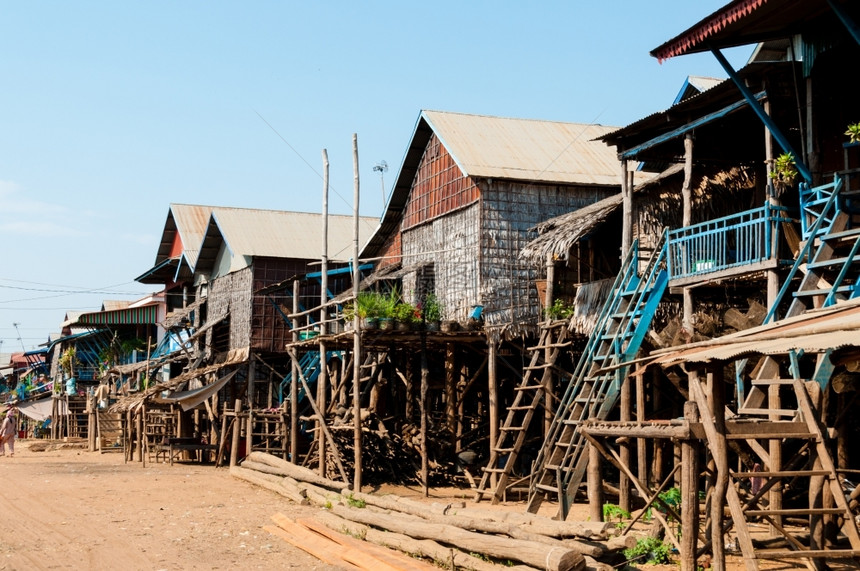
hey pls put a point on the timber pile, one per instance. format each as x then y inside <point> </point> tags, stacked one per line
<point>450,534</point>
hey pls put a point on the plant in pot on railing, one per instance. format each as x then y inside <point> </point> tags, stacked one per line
<point>783,172</point>
<point>367,307</point>
<point>431,310</point>
<point>853,133</point>
<point>387,307</point>
<point>406,316</point>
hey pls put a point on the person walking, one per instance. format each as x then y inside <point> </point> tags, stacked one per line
<point>8,432</point>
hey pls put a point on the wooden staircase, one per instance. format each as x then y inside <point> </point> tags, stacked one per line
<point>529,398</point>
<point>596,382</point>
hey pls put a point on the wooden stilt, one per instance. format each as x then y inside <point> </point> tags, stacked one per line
<point>689,494</point>
<point>623,480</point>
<point>493,394</point>
<point>595,484</point>
<point>237,429</point>
<point>294,386</point>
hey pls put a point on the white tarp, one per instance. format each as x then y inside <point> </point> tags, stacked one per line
<point>41,409</point>
<point>190,399</point>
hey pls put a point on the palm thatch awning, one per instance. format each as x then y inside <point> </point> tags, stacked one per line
<point>559,234</point>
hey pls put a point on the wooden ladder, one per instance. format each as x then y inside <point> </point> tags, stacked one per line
<point>530,396</point>
<point>596,382</point>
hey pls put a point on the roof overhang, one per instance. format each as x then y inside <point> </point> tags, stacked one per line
<point>144,315</point>
<point>162,273</point>
<point>746,22</point>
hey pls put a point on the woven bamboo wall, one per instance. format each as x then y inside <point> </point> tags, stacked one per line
<point>509,209</point>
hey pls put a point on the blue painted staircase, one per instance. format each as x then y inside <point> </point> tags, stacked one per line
<point>310,367</point>
<point>596,382</point>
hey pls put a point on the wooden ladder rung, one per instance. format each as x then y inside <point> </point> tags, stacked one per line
<point>768,411</point>
<point>780,474</point>
<point>796,511</point>
<point>816,553</point>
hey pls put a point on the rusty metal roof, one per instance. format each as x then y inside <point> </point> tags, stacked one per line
<point>278,234</point>
<point>745,22</point>
<point>526,149</point>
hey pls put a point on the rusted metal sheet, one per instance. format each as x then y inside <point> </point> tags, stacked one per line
<point>526,149</point>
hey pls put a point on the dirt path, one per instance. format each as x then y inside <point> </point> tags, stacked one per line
<point>71,509</point>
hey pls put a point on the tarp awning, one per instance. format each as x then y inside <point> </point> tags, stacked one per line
<point>191,399</point>
<point>145,315</point>
<point>40,410</point>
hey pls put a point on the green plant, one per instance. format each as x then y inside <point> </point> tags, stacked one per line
<point>405,313</point>
<point>368,304</point>
<point>354,502</point>
<point>388,303</point>
<point>612,511</point>
<point>650,550</point>
<point>558,310</point>
<point>68,361</point>
<point>784,171</point>
<point>853,132</point>
<point>431,308</point>
<point>348,311</point>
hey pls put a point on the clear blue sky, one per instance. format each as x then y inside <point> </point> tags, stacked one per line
<point>110,111</point>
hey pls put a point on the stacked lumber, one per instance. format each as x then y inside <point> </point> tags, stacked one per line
<point>452,535</point>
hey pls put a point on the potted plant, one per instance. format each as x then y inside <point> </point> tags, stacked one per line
<point>432,311</point>
<point>853,133</point>
<point>387,306</point>
<point>784,172</point>
<point>367,307</point>
<point>405,316</point>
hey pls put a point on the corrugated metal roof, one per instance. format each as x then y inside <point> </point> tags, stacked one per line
<point>816,331</point>
<point>745,22</point>
<point>190,221</point>
<point>526,149</point>
<point>279,234</point>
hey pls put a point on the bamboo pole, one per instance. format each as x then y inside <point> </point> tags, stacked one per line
<point>356,376</point>
<point>322,378</point>
<point>627,211</point>
<point>493,395</point>
<point>294,389</point>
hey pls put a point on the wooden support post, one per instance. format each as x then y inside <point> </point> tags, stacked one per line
<point>775,452</point>
<point>816,489</point>
<point>237,429</point>
<point>626,211</point>
<point>322,378</point>
<point>720,453</point>
<point>141,437</point>
<point>493,394</point>
<point>641,443</point>
<point>595,484</point>
<point>689,493</point>
<point>356,377</point>
<point>294,384</point>
<point>451,393</point>
<point>687,219</point>
<point>624,447</point>
<point>425,373</point>
<point>249,431</point>
<point>91,422</point>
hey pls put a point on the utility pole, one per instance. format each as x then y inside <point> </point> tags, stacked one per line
<point>15,325</point>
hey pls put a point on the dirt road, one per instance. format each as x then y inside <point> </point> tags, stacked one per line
<point>72,509</point>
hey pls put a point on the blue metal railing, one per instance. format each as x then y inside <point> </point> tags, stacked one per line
<point>729,242</point>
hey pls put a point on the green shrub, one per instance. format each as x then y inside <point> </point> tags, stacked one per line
<point>650,550</point>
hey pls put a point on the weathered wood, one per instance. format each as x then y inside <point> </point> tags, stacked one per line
<point>356,345</point>
<point>595,485</point>
<point>424,547</point>
<point>387,556</point>
<point>308,541</point>
<point>552,558</point>
<point>237,429</point>
<point>270,482</point>
<point>689,494</point>
<point>593,530</point>
<point>295,471</point>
